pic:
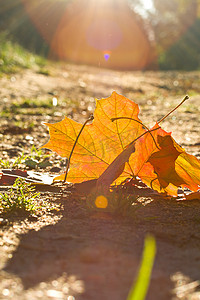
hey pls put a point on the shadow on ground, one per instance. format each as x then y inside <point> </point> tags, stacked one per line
<point>103,252</point>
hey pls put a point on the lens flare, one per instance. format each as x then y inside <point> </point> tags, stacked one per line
<point>88,31</point>
<point>101,202</point>
<point>106,55</point>
<point>104,34</point>
<point>82,29</point>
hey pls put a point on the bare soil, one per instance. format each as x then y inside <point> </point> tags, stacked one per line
<point>78,253</point>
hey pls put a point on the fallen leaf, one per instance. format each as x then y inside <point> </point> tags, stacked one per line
<point>106,151</point>
<point>100,142</point>
<point>167,168</point>
<point>193,196</point>
<point>8,177</point>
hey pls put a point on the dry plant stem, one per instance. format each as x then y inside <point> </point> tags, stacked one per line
<point>114,119</point>
<point>68,162</point>
<point>186,98</point>
<point>149,131</point>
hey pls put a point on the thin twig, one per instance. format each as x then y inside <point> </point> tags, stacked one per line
<point>76,140</point>
<point>149,131</point>
<point>129,118</point>
<point>186,98</point>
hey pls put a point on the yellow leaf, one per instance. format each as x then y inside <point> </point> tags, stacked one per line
<point>100,142</point>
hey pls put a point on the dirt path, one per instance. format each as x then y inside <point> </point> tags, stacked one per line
<point>81,254</point>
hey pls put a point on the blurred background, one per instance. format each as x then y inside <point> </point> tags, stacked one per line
<point>116,34</point>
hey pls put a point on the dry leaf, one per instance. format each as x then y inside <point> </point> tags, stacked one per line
<point>193,196</point>
<point>106,150</point>
<point>100,142</point>
<point>168,168</point>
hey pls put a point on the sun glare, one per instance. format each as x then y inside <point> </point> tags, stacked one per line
<point>101,202</point>
<point>147,4</point>
<point>143,7</point>
<point>105,33</point>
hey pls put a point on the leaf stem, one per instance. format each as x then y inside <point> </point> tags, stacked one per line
<point>118,118</point>
<point>129,118</point>
<point>76,140</point>
<point>149,131</point>
<point>185,98</point>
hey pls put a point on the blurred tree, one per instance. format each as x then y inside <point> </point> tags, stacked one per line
<point>74,29</point>
<point>176,30</point>
<point>184,54</point>
<point>170,19</point>
<point>18,26</point>
<point>15,20</point>
<point>171,26</point>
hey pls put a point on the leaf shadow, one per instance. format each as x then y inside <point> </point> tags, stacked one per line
<point>104,252</point>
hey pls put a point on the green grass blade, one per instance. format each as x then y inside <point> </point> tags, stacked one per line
<point>139,289</point>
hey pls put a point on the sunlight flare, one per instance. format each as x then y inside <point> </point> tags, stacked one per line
<point>87,32</point>
<point>101,202</point>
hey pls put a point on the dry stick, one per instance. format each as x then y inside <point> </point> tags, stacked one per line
<point>118,158</point>
<point>149,131</point>
<point>186,98</point>
<point>76,140</point>
<point>114,119</point>
<point>129,118</point>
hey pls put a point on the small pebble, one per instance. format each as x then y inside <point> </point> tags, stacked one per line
<point>55,169</point>
<point>3,222</point>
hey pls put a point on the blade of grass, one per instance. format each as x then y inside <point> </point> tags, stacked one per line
<point>139,288</point>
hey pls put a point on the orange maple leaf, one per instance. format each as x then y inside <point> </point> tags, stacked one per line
<point>106,150</point>
<point>167,168</point>
<point>100,142</point>
<point>159,161</point>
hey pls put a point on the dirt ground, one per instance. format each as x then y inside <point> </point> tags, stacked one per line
<point>78,253</point>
